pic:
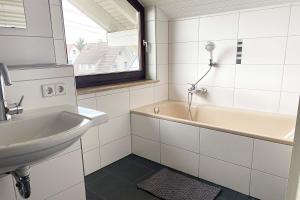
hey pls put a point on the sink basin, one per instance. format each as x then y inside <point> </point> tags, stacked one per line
<point>37,135</point>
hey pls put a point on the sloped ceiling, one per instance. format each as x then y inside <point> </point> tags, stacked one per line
<point>112,15</point>
<point>188,8</point>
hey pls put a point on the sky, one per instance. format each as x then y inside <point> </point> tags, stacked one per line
<point>79,25</point>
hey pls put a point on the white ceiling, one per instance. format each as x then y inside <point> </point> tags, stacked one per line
<point>112,15</point>
<point>188,8</point>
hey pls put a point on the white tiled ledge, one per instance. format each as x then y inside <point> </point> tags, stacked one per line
<point>39,72</point>
<point>96,89</point>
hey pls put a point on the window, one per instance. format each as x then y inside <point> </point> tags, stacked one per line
<point>105,40</point>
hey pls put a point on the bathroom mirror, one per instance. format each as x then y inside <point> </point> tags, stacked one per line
<point>12,14</point>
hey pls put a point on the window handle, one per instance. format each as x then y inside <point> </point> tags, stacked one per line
<point>145,44</point>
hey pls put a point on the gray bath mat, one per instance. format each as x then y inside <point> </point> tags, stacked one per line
<point>169,185</point>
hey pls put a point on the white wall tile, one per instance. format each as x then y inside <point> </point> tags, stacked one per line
<point>112,105</point>
<point>216,96</point>
<point>33,95</point>
<point>65,172</point>
<point>114,129</point>
<point>37,19</point>
<point>264,23</point>
<point>160,15</point>
<point>90,140</point>
<point>85,96</point>
<point>292,51</point>
<point>178,92</point>
<point>41,72</point>
<point>268,187</point>
<point>139,87</point>
<point>289,103</point>
<point>179,135</point>
<point>150,13</point>
<point>219,27</point>
<point>35,45</point>
<point>115,151</point>
<point>91,161</point>
<point>151,54</point>
<point>55,2</point>
<point>259,77</point>
<point>257,100</point>
<point>150,31</point>
<point>295,23</point>
<point>291,81</point>
<point>162,54</point>
<point>222,75</point>
<point>224,53</point>
<point>264,50</point>
<point>162,74</point>
<point>146,148</point>
<point>215,144</point>
<point>151,73</point>
<point>90,103</point>
<point>226,174</point>
<point>161,93</point>
<point>57,22</point>
<point>20,50</point>
<point>272,158</point>
<point>264,53</point>
<point>141,97</point>
<point>110,92</point>
<point>76,192</point>
<point>162,32</point>
<point>183,30</point>
<point>146,127</point>
<point>179,159</point>
<point>60,51</point>
<point>182,73</point>
<point>7,191</point>
<point>183,52</point>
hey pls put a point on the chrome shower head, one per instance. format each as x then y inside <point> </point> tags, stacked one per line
<point>210,46</point>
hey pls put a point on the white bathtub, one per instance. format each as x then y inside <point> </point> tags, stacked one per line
<point>244,150</point>
<point>267,126</point>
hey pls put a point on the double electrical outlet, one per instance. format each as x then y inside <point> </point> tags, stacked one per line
<point>54,89</point>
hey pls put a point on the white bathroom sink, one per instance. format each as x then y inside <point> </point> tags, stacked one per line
<point>37,135</point>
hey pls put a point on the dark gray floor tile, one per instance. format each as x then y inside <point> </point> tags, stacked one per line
<point>131,157</point>
<point>94,176</point>
<point>118,181</point>
<point>147,163</point>
<point>130,171</point>
<point>240,196</point>
<point>227,194</point>
<point>113,188</point>
<point>92,196</point>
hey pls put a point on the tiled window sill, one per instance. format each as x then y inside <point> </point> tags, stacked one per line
<point>113,87</point>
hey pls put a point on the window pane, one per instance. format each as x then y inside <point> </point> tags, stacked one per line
<point>102,36</point>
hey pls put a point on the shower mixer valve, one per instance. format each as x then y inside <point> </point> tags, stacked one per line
<point>201,91</point>
<point>194,90</point>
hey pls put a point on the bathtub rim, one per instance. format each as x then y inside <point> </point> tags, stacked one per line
<point>252,135</point>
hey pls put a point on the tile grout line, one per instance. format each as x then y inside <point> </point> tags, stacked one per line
<point>285,57</point>
<point>51,24</point>
<point>252,156</point>
<point>236,65</point>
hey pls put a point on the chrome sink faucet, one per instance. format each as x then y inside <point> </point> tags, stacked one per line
<point>7,110</point>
